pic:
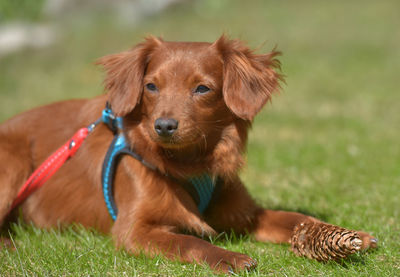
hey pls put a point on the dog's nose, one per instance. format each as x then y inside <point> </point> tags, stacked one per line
<point>165,127</point>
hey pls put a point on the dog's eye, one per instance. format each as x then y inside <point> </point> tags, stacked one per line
<point>151,87</point>
<point>202,89</point>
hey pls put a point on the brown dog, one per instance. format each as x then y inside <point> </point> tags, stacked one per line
<point>186,110</point>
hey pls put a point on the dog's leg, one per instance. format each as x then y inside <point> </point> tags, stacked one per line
<point>236,210</point>
<point>154,240</point>
<point>277,226</point>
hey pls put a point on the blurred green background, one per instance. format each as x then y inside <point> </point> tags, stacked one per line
<point>328,144</point>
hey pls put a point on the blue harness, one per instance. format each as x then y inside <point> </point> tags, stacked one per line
<point>201,188</point>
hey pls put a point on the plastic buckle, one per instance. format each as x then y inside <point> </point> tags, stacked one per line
<point>109,119</point>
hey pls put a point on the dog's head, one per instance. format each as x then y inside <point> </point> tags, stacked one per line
<point>187,92</point>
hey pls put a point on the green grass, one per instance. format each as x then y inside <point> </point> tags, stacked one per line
<point>26,10</point>
<point>328,145</point>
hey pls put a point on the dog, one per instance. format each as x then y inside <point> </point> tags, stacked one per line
<point>186,109</point>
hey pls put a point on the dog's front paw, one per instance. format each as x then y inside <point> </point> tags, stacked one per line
<point>368,241</point>
<point>230,262</point>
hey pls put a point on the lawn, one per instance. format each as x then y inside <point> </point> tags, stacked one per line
<point>327,145</point>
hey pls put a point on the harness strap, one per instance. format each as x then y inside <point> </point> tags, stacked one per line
<point>204,186</point>
<point>201,188</point>
<point>117,147</point>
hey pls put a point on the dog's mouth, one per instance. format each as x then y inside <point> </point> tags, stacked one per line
<point>181,139</point>
<point>176,142</point>
<point>170,142</point>
<point>182,150</point>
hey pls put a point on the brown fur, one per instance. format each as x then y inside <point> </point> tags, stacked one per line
<point>154,210</point>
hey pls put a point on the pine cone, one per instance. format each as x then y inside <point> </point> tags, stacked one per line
<point>324,242</point>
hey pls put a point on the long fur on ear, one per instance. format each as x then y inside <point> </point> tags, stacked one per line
<point>124,75</point>
<point>249,79</point>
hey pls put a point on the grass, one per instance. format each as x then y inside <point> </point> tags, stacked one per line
<point>328,144</point>
<point>21,10</point>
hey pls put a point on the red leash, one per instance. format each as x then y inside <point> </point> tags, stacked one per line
<point>52,164</point>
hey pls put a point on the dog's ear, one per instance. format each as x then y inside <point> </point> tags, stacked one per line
<point>249,79</point>
<point>124,75</point>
